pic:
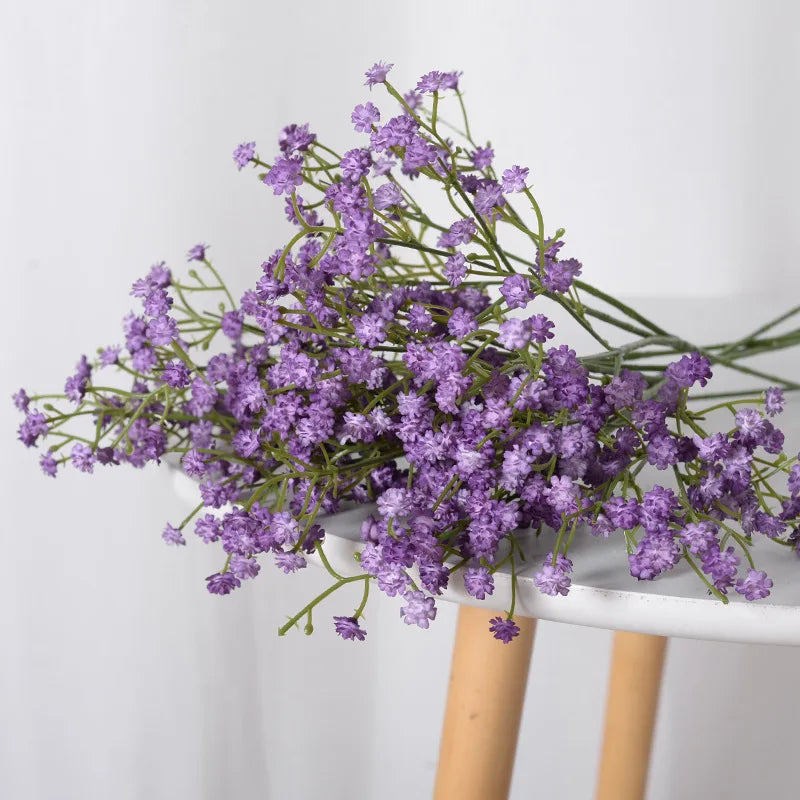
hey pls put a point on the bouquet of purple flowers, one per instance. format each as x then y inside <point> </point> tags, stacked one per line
<point>388,356</point>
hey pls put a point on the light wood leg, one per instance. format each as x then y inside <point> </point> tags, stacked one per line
<point>633,689</point>
<point>484,706</point>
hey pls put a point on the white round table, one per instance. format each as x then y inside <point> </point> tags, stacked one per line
<point>488,680</point>
<point>603,593</point>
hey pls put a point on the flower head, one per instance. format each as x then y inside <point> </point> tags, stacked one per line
<point>419,609</point>
<point>197,253</point>
<point>503,629</point>
<point>285,175</point>
<point>244,153</point>
<point>377,73</point>
<point>514,179</point>
<point>348,628</point>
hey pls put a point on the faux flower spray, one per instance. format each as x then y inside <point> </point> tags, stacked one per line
<point>390,356</point>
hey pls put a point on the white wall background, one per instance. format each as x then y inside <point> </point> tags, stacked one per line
<point>662,136</point>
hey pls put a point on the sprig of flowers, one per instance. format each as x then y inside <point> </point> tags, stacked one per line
<point>386,356</point>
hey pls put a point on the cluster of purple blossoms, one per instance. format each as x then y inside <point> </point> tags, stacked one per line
<point>353,374</point>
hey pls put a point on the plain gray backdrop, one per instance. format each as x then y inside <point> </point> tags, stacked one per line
<point>663,136</point>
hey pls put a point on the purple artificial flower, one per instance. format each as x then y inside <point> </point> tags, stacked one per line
<point>455,269</point>
<point>355,164</point>
<point>48,464</point>
<point>173,535</point>
<point>420,610</point>
<point>478,582</point>
<point>145,359</point>
<point>482,157</point>
<point>419,319</point>
<point>689,370</point>
<point>244,567</point>
<point>553,579</point>
<point>222,583</point>
<point>517,291</point>
<point>34,426</point>
<point>793,481</point>
<point>488,197</point>
<point>392,579</point>
<point>289,562</point>
<point>176,374</point>
<point>699,537</point>
<point>370,329</point>
<point>348,628</point>
<point>559,275</point>
<point>656,553</point>
<point>156,303</point>
<point>755,586</point>
<point>246,442</point>
<point>562,494</point>
<point>515,334</point>
<point>517,465</point>
<point>434,576</point>
<point>208,528</point>
<point>383,166</point>
<point>232,324</point>
<point>377,73</point>
<point>413,99</point>
<point>751,424</point>
<point>450,80</point>
<point>541,328</point>
<point>364,117</point>
<point>712,448</point>
<point>431,82</point>
<point>356,428</point>
<point>20,400</point>
<point>774,401</point>
<point>285,175</point>
<point>244,153</point>
<point>622,513</point>
<point>514,179</point>
<point>460,232</point>
<point>722,567</point>
<point>662,452</point>
<point>503,629</point>
<point>197,253</point>
<point>82,457</point>
<point>295,138</point>
<point>161,331</point>
<point>461,323</point>
<point>75,388</point>
<point>159,276</point>
<point>625,389</point>
<point>285,528</point>
<point>387,196</point>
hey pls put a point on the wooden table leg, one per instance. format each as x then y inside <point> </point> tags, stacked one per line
<point>484,706</point>
<point>633,689</point>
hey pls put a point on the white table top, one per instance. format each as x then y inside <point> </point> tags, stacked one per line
<point>603,593</point>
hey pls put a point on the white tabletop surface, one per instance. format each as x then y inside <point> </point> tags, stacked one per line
<point>603,593</point>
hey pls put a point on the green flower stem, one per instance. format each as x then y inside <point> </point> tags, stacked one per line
<point>512,609</point>
<point>359,612</point>
<point>467,133</point>
<point>327,564</point>
<point>220,282</point>
<point>713,589</point>
<point>763,329</point>
<point>197,509</point>
<point>283,630</point>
